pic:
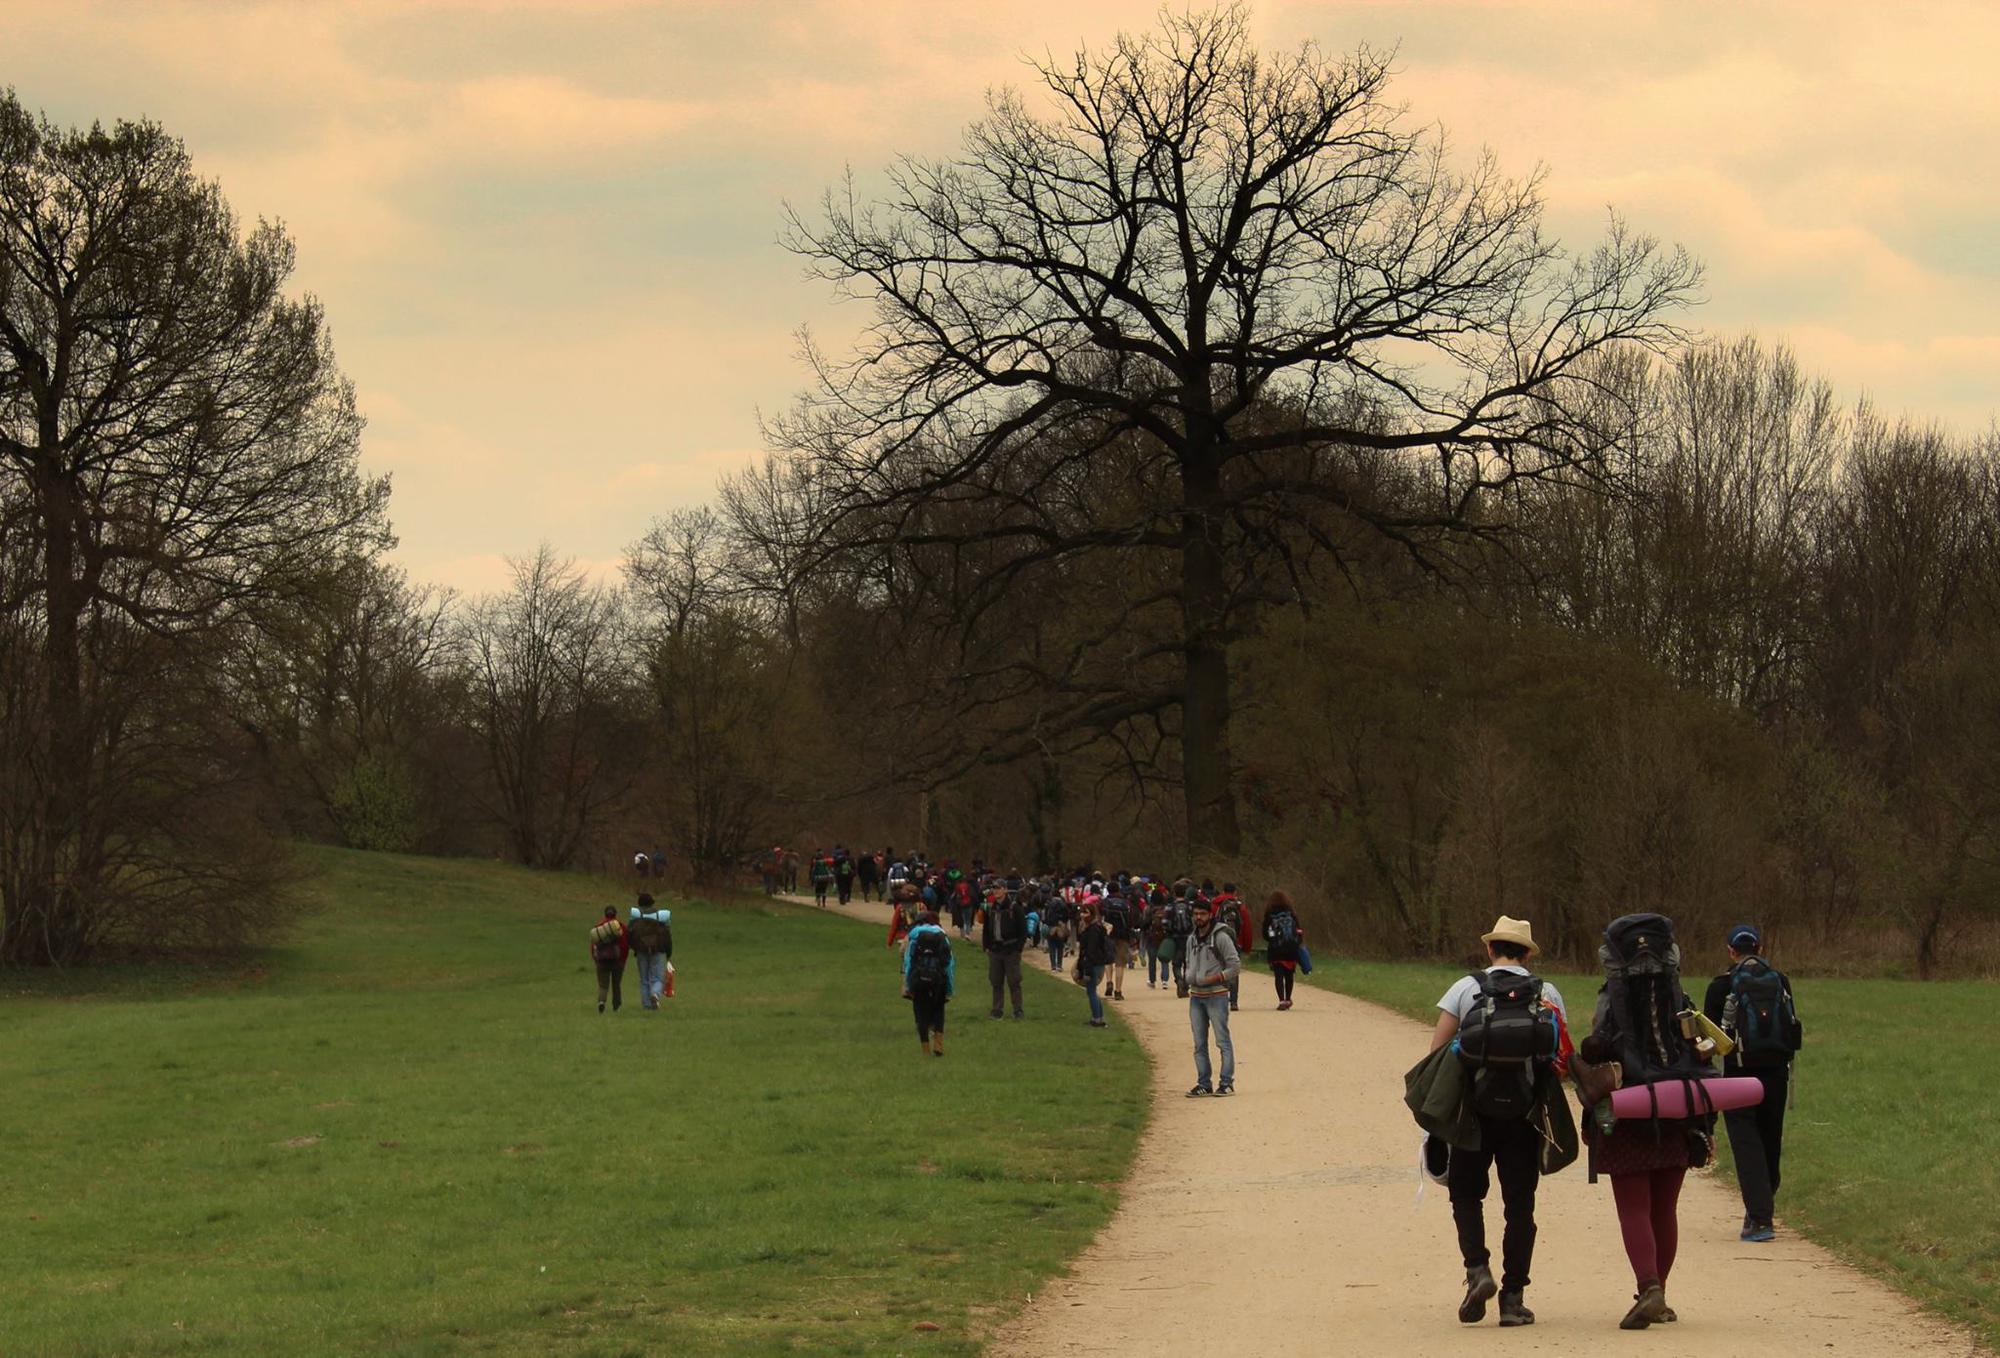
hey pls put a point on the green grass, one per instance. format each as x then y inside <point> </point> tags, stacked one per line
<point>408,1132</point>
<point>1892,1152</point>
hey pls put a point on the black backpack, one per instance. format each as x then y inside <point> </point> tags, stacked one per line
<point>1761,1014</point>
<point>930,962</point>
<point>1117,920</point>
<point>1641,1000</point>
<point>1282,932</point>
<point>1503,1038</point>
<point>1180,922</point>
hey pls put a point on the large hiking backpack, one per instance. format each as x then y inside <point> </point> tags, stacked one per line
<point>1760,1013</point>
<point>1643,996</point>
<point>1282,933</point>
<point>1503,1039</point>
<point>650,935</point>
<point>604,942</point>
<point>1180,918</point>
<point>1117,919</point>
<point>930,962</point>
<point>1156,925</point>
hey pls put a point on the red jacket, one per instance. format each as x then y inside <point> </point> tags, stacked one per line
<point>1246,927</point>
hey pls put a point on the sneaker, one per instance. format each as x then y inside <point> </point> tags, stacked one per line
<point>600,1006</point>
<point>1758,1233</point>
<point>1019,1014</point>
<point>1479,1289</point>
<point>1648,1306</point>
<point>1097,1023</point>
<point>1225,1091</point>
<point>1200,1092</point>
<point>1512,1312</point>
<point>995,1014</point>
<point>1434,1158</point>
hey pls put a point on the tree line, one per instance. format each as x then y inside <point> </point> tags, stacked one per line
<point>1230,476</point>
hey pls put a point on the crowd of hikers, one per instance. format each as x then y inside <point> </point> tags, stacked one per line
<point>1491,1096</point>
<point>1492,1101</point>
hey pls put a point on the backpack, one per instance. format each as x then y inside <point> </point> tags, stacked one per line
<point>1507,1034</point>
<point>844,867</point>
<point>650,935</point>
<point>1180,920</point>
<point>1117,920</point>
<point>604,942</point>
<point>1156,925</point>
<point>1642,997</point>
<point>1761,1015</point>
<point>821,871</point>
<point>1282,931</point>
<point>930,962</point>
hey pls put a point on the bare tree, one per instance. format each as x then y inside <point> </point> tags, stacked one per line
<point>1231,274</point>
<point>546,671</point>
<point>176,445</point>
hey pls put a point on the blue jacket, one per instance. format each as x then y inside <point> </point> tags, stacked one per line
<point>951,960</point>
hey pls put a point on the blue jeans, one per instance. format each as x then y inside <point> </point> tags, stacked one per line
<point>652,978</point>
<point>1206,1012</point>
<point>1091,977</point>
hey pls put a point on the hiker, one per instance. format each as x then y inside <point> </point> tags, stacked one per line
<point>843,875</point>
<point>1058,918</point>
<point>790,866</point>
<point>650,932</point>
<point>1155,944</point>
<point>1282,939</point>
<point>770,869</point>
<point>1120,926</point>
<point>1211,963</point>
<point>822,878</point>
<point>1235,917</point>
<point>867,872</point>
<point>1752,1002</point>
<point>1093,956</point>
<point>607,949</point>
<point>642,866</point>
<point>930,973</point>
<point>1505,1004</point>
<point>904,909</point>
<point>1003,933</point>
<point>1180,927</point>
<point>1637,1038</point>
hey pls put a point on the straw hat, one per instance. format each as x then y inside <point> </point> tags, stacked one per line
<point>1507,929</point>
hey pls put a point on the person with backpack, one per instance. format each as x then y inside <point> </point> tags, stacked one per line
<point>843,875</point>
<point>1235,917</point>
<point>822,878</point>
<point>1639,1037</point>
<point>1121,926</point>
<point>1058,921</point>
<point>1154,943</point>
<point>650,932</point>
<point>930,974</point>
<point>1003,933</point>
<point>904,908</point>
<point>1211,962</point>
<point>1752,1002</point>
<point>608,948</point>
<point>1093,957</point>
<point>1283,937</point>
<point>1509,1025</point>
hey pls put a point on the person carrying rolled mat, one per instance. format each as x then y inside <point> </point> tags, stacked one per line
<point>930,974</point>
<point>1752,1001</point>
<point>1506,992</point>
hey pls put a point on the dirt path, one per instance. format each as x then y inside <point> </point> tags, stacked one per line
<point>1285,1220</point>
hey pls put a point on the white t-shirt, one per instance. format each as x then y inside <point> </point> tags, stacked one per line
<point>1458,1001</point>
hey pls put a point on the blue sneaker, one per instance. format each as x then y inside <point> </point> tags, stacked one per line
<point>1758,1232</point>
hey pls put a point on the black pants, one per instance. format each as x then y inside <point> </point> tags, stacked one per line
<point>1004,969</point>
<point>847,891</point>
<point>1757,1141</point>
<point>1284,976</point>
<point>610,975</point>
<point>930,1013</point>
<point>1508,1146</point>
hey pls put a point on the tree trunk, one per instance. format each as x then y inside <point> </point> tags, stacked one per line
<point>1205,711</point>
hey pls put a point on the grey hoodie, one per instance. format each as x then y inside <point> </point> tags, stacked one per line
<point>1209,954</point>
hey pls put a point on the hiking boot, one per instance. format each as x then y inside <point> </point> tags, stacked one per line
<point>1758,1232</point>
<point>1648,1306</point>
<point>1512,1312</point>
<point>995,1014</point>
<point>1019,1014</point>
<point>1667,1316</point>
<point>1479,1289</point>
<point>1200,1092</point>
<point>600,1006</point>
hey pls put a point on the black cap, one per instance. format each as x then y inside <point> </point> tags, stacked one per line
<point>1745,938</point>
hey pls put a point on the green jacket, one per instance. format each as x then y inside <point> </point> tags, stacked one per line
<point>1435,1090</point>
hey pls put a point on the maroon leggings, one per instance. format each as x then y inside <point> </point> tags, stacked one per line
<point>1647,1207</point>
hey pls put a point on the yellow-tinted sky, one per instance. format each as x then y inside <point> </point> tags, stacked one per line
<point>544,230</point>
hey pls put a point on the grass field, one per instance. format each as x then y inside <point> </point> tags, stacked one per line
<point>1892,1152</point>
<point>408,1132</point>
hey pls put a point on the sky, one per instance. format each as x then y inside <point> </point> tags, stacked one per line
<point>546,231</point>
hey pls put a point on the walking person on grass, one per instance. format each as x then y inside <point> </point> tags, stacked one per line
<point>650,933</point>
<point>608,947</point>
<point>930,973</point>
<point>1282,939</point>
<point>1506,996</point>
<point>1752,1001</point>
<point>1212,962</point>
<point>1093,956</point>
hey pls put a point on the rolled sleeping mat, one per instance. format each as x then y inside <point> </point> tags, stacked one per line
<point>1723,1092</point>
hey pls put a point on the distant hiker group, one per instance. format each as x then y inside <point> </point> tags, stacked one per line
<point>648,935</point>
<point>1490,1097</point>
